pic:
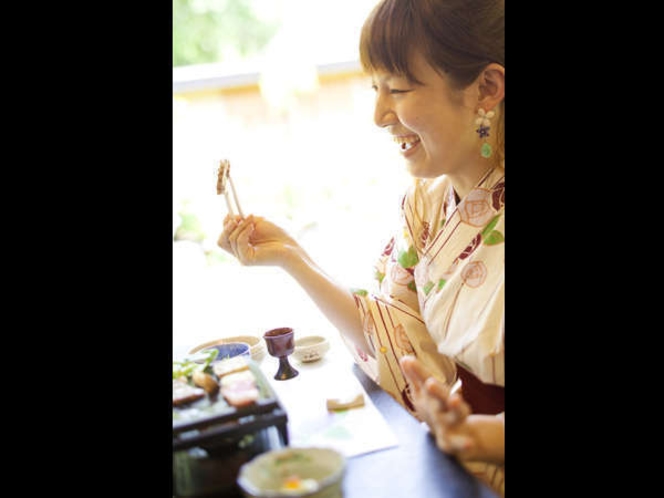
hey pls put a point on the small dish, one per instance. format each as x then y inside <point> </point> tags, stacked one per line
<point>257,346</point>
<point>229,350</point>
<point>311,348</point>
<point>293,472</point>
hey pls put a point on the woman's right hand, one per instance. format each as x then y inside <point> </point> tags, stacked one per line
<point>256,241</point>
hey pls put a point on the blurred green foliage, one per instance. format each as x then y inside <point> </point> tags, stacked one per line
<point>207,31</point>
<point>190,227</point>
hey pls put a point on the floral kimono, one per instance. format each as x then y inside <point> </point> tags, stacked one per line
<point>440,293</point>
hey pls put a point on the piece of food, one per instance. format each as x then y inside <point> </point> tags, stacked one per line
<point>239,388</point>
<point>344,404</point>
<point>240,377</point>
<point>294,483</point>
<point>222,176</point>
<point>184,393</point>
<point>230,365</point>
<point>187,366</point>
<point>223,180</point>
<point>206,381</point>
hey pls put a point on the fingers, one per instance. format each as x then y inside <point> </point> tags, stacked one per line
<point>420,378</point>
<point>243,250</point>
<point>456,403</point>
<point>415,372</point>
<point>453,444</point>
<point>429,394</point>
<point>234,226</point>
<point>448,427</point>
<point>436,388</point>
<point>444,412</point>
<point>230,223</point>
<point>456,408</point>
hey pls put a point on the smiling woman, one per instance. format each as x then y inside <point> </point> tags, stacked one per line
<point>434,311</point>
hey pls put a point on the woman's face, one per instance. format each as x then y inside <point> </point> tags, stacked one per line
<point>433,126</point>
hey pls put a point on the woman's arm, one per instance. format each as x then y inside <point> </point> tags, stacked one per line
<point>257,241</point>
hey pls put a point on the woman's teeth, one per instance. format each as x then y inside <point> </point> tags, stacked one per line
<point>406,143</point>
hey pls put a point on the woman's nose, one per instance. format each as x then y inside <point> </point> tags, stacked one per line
<point>383,113</point>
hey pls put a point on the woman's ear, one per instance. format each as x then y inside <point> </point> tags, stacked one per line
<point>491,86</point>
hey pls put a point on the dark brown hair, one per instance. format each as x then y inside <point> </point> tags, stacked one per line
<point>458,37</point>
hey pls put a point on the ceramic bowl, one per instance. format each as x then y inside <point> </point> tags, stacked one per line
<point>256,345</point>
<point>229,350</point>
<point>311,348</point>
<point>293,472</point>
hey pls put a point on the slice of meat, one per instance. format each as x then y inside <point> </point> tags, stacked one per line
<point>239,388</point>
<point>184,393</point>
<point>222,175</point>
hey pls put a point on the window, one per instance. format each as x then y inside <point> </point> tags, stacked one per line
<point>295,119</point>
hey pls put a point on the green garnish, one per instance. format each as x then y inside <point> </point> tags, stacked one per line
<point>200,361</point>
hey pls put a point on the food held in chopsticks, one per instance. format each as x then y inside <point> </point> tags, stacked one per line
<point>222,176</point>
<point>223,181</point>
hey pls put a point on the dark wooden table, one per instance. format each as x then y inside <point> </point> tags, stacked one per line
<point>415,468</point>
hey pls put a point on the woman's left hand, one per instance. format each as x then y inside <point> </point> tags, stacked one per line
<point>443,411</point>
<point>457,431</point>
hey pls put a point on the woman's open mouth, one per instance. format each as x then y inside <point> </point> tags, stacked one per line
<point>406,143</point>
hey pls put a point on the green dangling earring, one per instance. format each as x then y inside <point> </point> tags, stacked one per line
<point>484,125</point>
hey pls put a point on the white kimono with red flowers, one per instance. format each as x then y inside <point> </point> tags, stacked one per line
<point>441,288</point>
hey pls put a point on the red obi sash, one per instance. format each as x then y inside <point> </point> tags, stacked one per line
<point>483,398</point>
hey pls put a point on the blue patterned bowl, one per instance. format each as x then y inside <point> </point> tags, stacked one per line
<point>229,350</point>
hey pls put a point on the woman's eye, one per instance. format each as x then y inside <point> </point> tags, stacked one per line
<point>397,90</point>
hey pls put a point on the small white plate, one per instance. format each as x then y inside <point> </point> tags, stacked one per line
<point>311,348</point>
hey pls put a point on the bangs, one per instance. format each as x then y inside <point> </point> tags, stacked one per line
<point>388,35</point>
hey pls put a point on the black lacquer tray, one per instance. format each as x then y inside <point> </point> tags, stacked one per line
<point>212,440</point>
<point>211,422</point>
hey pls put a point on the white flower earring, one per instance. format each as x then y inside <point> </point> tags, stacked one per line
<point>484,125</point>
